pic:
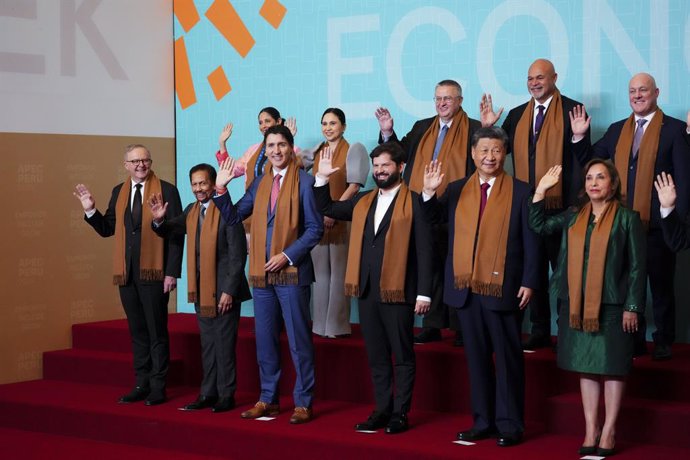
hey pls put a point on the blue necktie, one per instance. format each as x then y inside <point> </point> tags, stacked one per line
<point>538,122</point>
<point>439,141</point>
<point>637,140</point>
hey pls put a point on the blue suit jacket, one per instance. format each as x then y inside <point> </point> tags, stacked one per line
<point>310,223</point>
<point>673,157</point>
<point>522,253</point>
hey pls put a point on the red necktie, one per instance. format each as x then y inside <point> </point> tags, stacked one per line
<point>274,191</point>
<point>482,204</point>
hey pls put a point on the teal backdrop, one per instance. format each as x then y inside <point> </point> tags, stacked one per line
<point>361,54</point>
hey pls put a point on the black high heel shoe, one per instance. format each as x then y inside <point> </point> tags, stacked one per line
<point>589,450</point>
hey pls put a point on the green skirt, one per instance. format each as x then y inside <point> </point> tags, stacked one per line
<point>607,352</point>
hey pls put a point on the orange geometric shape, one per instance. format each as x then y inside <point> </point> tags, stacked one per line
<point>186,13</point>
<point>184,86</point>
<point>273,12</point>
<point>224,17</point>
<point>219,83</point>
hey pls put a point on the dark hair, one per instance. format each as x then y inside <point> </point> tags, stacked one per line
<point>204,167</point>
<point>337,112</point>
<point>393,149</point>
<point>615,181</point>
<point>452,83</point>
<point>273,112</point>
<point>283,131</point>
<point>493,132</point>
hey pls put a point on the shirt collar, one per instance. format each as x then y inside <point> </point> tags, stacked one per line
<point>391,192</point>
<point>647,117</point>
<point>545,104</point>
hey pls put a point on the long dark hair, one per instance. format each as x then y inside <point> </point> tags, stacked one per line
<point>582,197</point>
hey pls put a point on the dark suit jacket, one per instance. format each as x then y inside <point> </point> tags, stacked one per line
<point>231,254</point>
<point>575,156</point>
<point>522,253</point>
<point>673,157</point>
<point>105,226</point>
<point>310,223</point>
<point>419,255</point>
<point>410,142</point>
<point>676,231</point>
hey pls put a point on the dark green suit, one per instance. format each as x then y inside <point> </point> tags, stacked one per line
<point>608,351</point>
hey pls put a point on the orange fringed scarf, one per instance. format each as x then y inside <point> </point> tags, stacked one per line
<point>549,148</point>
<point>285,227</point>
<point>646,159</point>
<point>338,185</point>
<point>151,253</point>
<point>453,153</point>
<point>396,246</point>
<point>207,259</point>
<point>598,244</point>
<point>482,269</point>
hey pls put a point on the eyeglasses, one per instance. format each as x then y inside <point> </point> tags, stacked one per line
<point>143,161</point>
<point>439,99</point>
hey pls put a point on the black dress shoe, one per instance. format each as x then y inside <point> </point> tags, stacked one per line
<point>508,439</point>
<point>137,394</point>
<point>155,398</point>
<point>536,341</point>
<point>397,424</point>
<point>224,404</point>
<point>459,341</point>
<point>428,334</point>
<point>202,402</point>
<point>376,420</point>
<point>473,435</point>
<point>661,352</point>
<point>605,452</point>
<point>587,450</point>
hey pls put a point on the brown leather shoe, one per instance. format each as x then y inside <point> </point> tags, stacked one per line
<point>301,415</point>
<point>261,409</point>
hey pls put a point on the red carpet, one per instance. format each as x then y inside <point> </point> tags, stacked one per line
<point>72,412</point>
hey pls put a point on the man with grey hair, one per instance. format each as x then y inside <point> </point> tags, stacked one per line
<point>145,267</point>
<point>444,137</point>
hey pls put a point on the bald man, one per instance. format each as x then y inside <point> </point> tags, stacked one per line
<point>548,130</point>
<point>642,146</point>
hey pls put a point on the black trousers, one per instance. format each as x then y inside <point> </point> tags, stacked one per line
<point>218,343</point>
<point>146,307</point>
<point>388,332</point>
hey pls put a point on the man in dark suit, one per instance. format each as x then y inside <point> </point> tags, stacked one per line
<point>145,267</point>
<point>491,272</point>
<point>643,146</point>
<point>676,231</point>
<point>547,130</point>
<point>445,137</point>
<point>286,225</point>
<point>388,269</point>
<point>216,284</point>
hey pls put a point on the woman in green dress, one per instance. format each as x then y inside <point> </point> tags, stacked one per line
<point>600,286</point>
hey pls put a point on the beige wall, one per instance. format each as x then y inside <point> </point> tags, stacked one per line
<point>55,269</point>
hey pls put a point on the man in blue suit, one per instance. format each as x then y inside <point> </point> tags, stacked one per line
<point>286,225</point>
<point>643,146</point>
<point>491,271</point>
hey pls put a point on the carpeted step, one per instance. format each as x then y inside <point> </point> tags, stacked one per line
<point>640,420</point>
<point>103,367</point>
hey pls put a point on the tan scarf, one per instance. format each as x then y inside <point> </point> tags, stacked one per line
<point>285,227</point>
<point>646,159</point>
<point>207,259</point>
<point>549,148</point>
<point>483,275</point>
<point>337,185</point>
<point>596,263</point>
<point>151,252</point>
<point>453,153</point>
<point>396,246</point>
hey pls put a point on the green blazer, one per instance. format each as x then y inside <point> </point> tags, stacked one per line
<point>625,274</point>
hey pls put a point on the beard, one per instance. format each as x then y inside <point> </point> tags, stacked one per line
<point>389,181</point>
